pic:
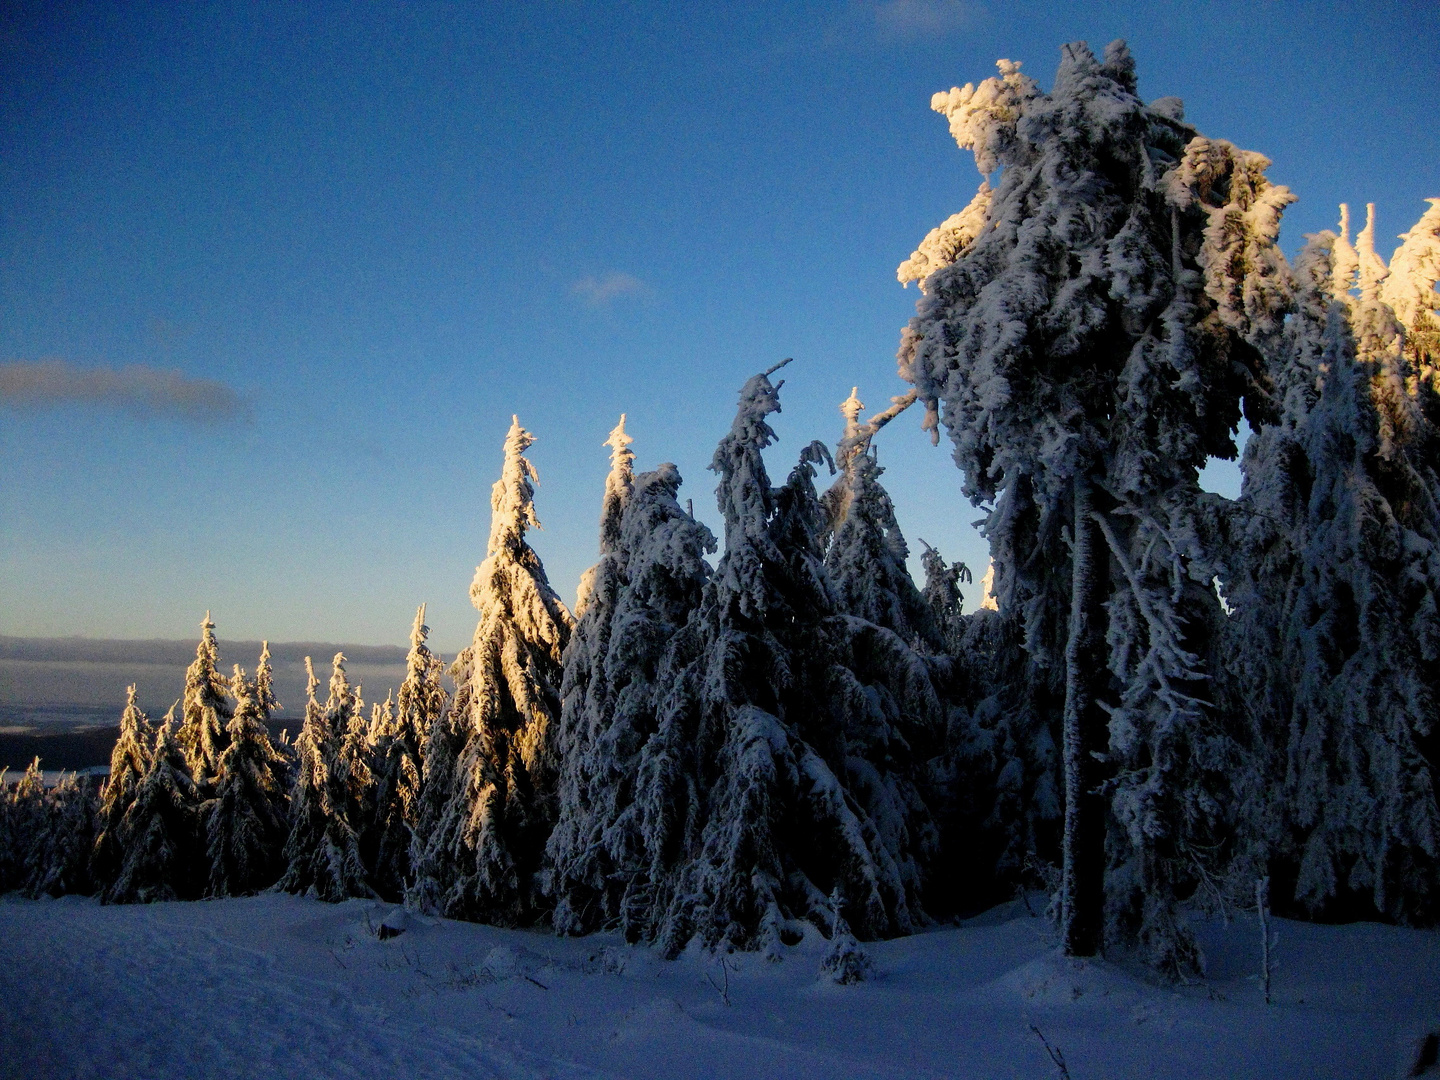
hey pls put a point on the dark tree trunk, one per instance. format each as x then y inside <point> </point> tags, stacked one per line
<point>1083,884</point>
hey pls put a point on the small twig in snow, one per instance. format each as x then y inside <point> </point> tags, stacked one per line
<point>1262,908</point>
<point>723,991</point>
<point>1054,1051</point>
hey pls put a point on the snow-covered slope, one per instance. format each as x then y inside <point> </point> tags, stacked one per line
<point>280,985</point>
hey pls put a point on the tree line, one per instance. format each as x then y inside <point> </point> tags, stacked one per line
<point>1176,695</point>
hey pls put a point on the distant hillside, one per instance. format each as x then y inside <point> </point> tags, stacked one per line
<point>72,682</point>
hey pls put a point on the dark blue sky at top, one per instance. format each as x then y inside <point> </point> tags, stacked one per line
<point>390,227</point>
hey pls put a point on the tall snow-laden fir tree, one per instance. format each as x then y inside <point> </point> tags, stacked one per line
<point>744,800</point>
<point>586,708</point>
<point>129,762</point>
<point>1336,629</point>
<point>419,706</point>
<point>1089,349</point>
<point>160,832</point>
<point>205,711</point>
<point>600,851</point>
<point>322,854</point>
<point>482,851</point>
<point>246,821</point>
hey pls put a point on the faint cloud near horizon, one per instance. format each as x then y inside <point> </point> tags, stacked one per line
<point>139,389</point>
<point>921,18</point>
<point>603,289</point>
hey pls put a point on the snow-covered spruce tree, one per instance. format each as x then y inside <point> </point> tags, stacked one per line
<point>59,858</point>
<point>573,852</point>
<point>419,706</point>
<point>440,750</point>
<point>943,597</point>
<point>745,799</point>
<point>598,854</point>
<point>205,711</point>
<point>482,852</point>
<point>23,803</point>
<point>1409,291</point>
<point>866,552</point>
<point>1090,348</point>
<point>246,822</point>
<point>893,671</point>
<point>129,762</point>
<point>1336,623</point>
<point>322,853</point>
<point>160,834</point>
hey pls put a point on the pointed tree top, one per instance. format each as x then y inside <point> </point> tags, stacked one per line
<point>512,498</point>
<point>618,441</point>
<point>1344,258</point>
<point>517,437</point>
<point>851,408</point>
<point>130,696</point>
<point>419,631</point>
<point>311,682</point>
<point>857,435</point>
<point>207,637</point>
<point>617,486</point>
<point>1372,267</point>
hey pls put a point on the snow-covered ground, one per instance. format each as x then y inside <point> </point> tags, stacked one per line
<point>283,986</point>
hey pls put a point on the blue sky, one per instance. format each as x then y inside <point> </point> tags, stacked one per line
<point>383,229</point>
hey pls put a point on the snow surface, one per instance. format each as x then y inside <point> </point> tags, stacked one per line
<point>284,985</point>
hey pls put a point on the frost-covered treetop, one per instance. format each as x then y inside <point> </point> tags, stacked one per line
<point>343,698</point>
<point>419,658</point>
<point>1245,274</point>
<point>1372,270</point>
<point>983,118</point>
<point>512,499</point>
<point>264,691</point>
<point>1075,330</point>
<point>858,476</point>
<point>857,437</point>
<point>744,495</point>
<point>617,486</point>
<point>1410,288</point>
<point>511,582</point>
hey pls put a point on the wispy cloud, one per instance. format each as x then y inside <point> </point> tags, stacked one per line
<point>921,18</point>
<point>139,389</point>
<point>606,288</point>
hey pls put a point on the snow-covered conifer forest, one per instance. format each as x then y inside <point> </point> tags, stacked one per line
<point>774,743</point>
